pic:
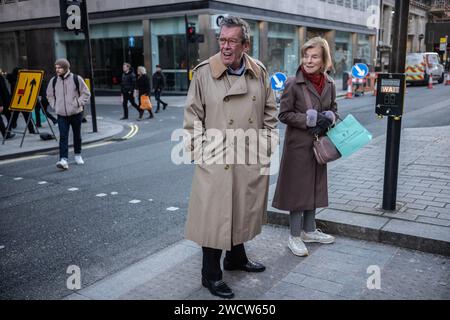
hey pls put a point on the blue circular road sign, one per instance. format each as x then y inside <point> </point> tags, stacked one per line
<point>360,70</point>
<point>277,81</point>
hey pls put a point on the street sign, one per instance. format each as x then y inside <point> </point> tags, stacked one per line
<point>277,81</point>
<point>443,44</point>
<point>360,70</point>
<point>131,42</point>
<point>390,94</point>
<point>27,90</point>
<point>70,12</point>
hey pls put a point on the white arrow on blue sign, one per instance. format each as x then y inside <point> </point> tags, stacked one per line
<point>360,70</point>
<point>131,42</point>
<point>277,81</point>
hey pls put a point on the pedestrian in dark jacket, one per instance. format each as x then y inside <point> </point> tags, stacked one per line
<point>127,88</point>
<point>4,106</point>
<point>143,86</point>
<point>302,182</point>
<point>159,82</point>
<point>5,100</point>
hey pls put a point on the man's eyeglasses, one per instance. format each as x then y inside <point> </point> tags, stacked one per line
<point>232,41</point>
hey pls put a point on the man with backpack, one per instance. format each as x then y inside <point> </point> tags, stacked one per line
<point>68,94</point>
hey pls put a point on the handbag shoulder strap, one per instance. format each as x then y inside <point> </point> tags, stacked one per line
<point>307,96</point>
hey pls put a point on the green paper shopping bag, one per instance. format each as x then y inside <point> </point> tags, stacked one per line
<point>349,136</point>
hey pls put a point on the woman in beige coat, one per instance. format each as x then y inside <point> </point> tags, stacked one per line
<point>302,182</point>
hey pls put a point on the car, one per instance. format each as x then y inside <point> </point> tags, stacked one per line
<point>420,65</point>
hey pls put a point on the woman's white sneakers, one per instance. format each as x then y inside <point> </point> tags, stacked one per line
<point>297,246</point>
<point>317,236</point>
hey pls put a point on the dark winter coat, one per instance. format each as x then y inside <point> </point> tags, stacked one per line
<point>159,81</point>
<point>128,82</point>
<point>143,84</point>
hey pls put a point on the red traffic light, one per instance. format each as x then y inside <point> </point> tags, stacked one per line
<point>191,30</point>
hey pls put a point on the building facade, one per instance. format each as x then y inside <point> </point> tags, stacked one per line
<point>148,33</point>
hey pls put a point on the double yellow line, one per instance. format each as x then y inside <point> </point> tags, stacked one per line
<point>132,133</point>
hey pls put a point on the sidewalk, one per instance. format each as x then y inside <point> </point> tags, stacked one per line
<point>340,270</point>
<point>355,185</point>
<point>33,144</point>
<point>337,271</point>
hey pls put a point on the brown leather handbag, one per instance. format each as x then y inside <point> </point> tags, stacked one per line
<point>324,150</point>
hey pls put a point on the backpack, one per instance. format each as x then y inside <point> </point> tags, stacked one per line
<point>75,80</point>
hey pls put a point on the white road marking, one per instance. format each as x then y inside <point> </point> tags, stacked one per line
<point>23,158</point>
<point>2,247</point>
<point>172,209</point>
<point>114,193</point>
<point>101,195</point>
<point>72,189</point>
<point>18,178</point>
<point>151,200</point>
<point>42,182</point>
<point>95,145</point>
<point>135,201</point>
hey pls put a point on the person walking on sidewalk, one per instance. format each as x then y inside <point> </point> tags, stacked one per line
<point>302,182</point>
<point>5,100</point>
<point>159,82</point>
<point>143,87</point>
<point>127,88</point>
<point>43,103</point>
<point>228,201</point>
<point>68,104</point>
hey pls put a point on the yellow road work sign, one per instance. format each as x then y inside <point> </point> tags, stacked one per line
<point>27,90</point>
<point>88,83</point>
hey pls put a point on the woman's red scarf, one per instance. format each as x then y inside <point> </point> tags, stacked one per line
<point>317,79</point>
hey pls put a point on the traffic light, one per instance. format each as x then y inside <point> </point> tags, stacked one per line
<point>191,35</point>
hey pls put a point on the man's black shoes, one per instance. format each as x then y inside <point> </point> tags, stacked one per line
<point>164,106</point>
<point>218,288</point>
<point>250,266</point>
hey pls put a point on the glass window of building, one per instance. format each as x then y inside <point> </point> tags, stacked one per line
<point>112,45</point>
<point>283,48</point>
<point>343,53</point>
<point>168,42</point>
<point>364,49</point>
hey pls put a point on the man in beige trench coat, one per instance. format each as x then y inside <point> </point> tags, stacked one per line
<point>229,92</point>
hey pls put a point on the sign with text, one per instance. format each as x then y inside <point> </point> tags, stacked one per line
<point>390,94</point>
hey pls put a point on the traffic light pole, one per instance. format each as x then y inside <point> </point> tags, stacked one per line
<point>397,65</point>
<point>85,24</point>
<point>187,49</point>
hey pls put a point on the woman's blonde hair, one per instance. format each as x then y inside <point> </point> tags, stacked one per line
<point>142,70</point>
<point>319,42</point>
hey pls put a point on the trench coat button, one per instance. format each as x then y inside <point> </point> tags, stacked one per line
<point>226,99</point>
<point>231,122</point>
<point>254,98</point>
<point>227,167</point>
<point>250,120</point>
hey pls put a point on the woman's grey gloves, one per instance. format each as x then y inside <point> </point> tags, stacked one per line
<point>323,122</point>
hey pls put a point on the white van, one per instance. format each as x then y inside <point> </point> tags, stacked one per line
<point>419,66</point>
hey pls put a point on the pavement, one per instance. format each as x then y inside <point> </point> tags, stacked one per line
<point>367,237</point>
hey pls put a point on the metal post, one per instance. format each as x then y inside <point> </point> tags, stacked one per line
<point>187,49</point>
<point>397,65</point>
<point>85,27</point>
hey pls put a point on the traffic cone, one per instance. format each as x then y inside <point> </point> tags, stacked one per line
<point>447,82</point>
<point>349,89</point>
<point>430,81</point>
